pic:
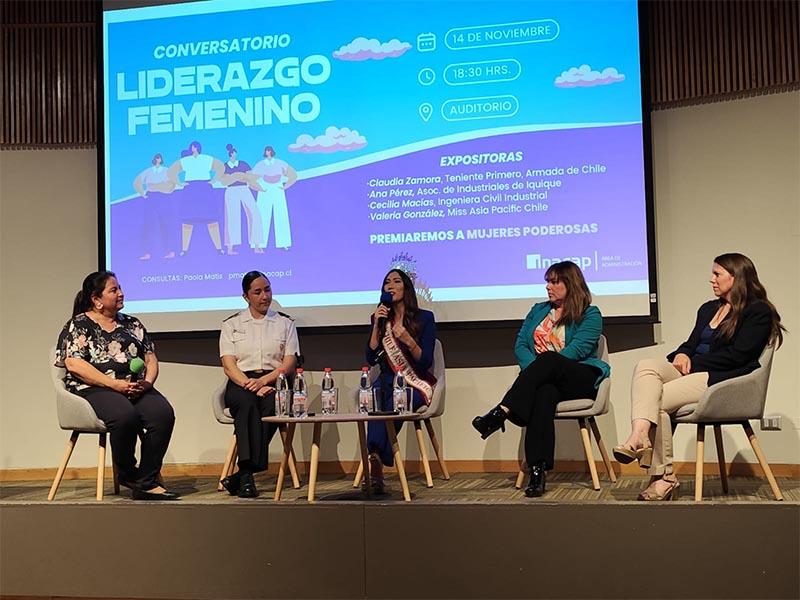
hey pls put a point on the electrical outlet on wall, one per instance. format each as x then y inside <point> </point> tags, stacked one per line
<point>771,423</point>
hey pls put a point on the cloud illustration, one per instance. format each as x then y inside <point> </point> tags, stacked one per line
<point>363,49</point>
<point>333,140</point>
<point>583,76</point>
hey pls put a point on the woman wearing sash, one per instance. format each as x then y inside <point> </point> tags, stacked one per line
<point>402,340</point>
<point>557,353</point>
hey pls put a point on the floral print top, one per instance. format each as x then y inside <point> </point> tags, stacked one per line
<point>548,336</point>
<point>108,352</point>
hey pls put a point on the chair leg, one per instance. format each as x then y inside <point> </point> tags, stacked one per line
<point>63,466</point>
<point>698,463</point>
<point>587,448</point>
<point>762,460</point>
<point>423,453</point>
<point>606,461</point>
<point>723,471</point>
<point>520,477</point>
<point>359,474</point>
<point>437,449</point>
<point>101,465</point>
<point>230,458</point>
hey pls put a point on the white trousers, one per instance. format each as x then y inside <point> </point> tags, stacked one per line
<point>236,198</point>
<point>272,202</point>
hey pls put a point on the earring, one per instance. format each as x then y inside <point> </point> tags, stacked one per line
<point>98,306</point>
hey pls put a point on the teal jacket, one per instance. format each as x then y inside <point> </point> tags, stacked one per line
<point>580,339</point>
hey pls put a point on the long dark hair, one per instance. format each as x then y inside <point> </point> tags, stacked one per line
<point>411,314</point>
<point>249,278</point>
<point>578,295</point>
<point>746,289</point>
<point>93,285</point>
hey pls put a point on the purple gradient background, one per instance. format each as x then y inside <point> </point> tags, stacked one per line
<point>331,226</point>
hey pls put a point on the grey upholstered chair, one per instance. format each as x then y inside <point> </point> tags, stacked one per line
<point>428,412</point>
<point>731,402</point>
<point>585,411</point>
<point>224,417</point>
<point>76,414</point>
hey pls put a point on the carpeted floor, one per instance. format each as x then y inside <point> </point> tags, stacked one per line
<point>462,488</point>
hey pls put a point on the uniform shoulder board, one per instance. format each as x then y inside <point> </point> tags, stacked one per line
<point>229,318</point>
<point>283,314</point>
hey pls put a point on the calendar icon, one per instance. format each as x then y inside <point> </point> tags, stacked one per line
<point>426,42</point>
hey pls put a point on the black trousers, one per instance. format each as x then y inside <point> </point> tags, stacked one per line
<point>252,434</point>
<point>150,416</point>
<point>533,397</point>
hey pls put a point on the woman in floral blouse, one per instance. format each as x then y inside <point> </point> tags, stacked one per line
<point>97,347</point>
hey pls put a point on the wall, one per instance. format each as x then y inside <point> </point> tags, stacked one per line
<point>726,178</point>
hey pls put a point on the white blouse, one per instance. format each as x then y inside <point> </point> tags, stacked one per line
<point>258,344</point>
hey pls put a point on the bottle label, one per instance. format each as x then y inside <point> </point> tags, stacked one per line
<point>364,400</point>
<point>329,401</point>
<point>399,396</point>
<point>281,403</point>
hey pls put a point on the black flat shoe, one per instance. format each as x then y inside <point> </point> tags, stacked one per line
<point>231,484</point>
<point>143,495</point>
<point>247,486</point>
<point>537,483</point>
<point>490,422</point>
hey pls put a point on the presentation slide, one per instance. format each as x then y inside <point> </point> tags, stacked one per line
<point>470,143</point>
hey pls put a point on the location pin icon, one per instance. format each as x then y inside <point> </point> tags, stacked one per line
<point>426,111</point>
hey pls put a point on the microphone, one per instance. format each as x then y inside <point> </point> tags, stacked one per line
<point>386,300</point>
<point>136,367</point>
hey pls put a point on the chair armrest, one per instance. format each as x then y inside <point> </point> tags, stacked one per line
<point>735,399</point>
<point>75,413</point>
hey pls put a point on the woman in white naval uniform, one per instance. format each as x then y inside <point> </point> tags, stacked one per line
<point>253,345</point>
<point>274,176</point>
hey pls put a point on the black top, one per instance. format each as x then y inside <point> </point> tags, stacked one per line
<point>736,356</point>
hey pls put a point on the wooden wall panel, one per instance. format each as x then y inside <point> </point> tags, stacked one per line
<point>699,51</point>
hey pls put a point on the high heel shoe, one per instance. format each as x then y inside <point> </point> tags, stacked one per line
<point>490,422</point>
<point>376,482</point>
<point>649,494</point>
<point>625,455</point>
<point>537,483</point>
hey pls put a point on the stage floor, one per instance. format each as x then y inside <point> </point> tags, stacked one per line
<point>474,536</point>
<point>462,488</point>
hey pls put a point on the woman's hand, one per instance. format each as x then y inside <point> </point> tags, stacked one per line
<point>381,312</point>
<point>683,363</point>
<point>264,390</point>
<point>139,387</point>
<point>124,387</point>
<point>253,385</point>
<point>401,333</point>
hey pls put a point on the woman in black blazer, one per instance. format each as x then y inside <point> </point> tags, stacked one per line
<point>729,335</point>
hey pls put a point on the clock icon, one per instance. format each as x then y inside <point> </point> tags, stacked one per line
<point>426,76</point>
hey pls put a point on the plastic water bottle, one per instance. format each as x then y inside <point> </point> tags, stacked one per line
<point>399,394</point>
<point>299,396</point>
<point>281,394</point>
<point>328,393</point>
<point>364,391</point>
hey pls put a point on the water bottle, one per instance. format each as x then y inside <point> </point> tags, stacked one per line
<point>281,394</point>
<point>364,392</point>
<point>399,394</point>
<point>328,393</point>
<point>299,396</point>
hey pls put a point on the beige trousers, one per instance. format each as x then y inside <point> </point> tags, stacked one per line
<point>658,390</point>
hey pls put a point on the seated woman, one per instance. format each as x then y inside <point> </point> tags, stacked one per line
<point>402,340</point>
<point>97,347</point>
<point>253,345</point>
<point>729,335</point>
<point>557,353</point>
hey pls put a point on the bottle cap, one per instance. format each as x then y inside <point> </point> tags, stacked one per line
<point>365,368</point>
<point>300,369</point>
<point>327,369</point>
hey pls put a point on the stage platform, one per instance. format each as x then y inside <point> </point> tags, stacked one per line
<point>474,536</point>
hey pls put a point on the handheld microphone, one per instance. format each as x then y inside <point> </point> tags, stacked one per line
<point>386,300</point>
<point>136,368</point>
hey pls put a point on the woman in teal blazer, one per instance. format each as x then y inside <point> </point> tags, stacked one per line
<point>556,350</point>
